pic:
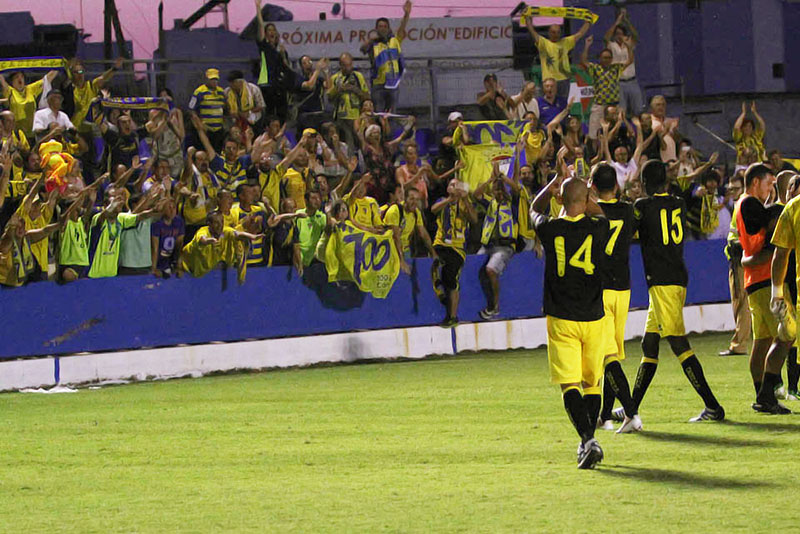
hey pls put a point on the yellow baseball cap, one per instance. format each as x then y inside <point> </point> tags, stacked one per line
<point>309,131</point>
<point>212,74</point>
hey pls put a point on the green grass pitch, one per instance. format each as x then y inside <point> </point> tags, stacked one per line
<point>476,443</point>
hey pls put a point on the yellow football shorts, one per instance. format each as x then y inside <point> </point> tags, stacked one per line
<point>616,304</point>
<point>665,312</point>
<point>765,325</point>
<point>575,351</point>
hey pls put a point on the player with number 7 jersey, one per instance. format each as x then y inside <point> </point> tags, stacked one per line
<point>616,298</point>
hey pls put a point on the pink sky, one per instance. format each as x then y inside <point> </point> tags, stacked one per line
<point>140,17</point>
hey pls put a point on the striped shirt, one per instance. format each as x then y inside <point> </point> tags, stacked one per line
<point>230,175</point>
<point>255,255</point>
<point>208,104</point>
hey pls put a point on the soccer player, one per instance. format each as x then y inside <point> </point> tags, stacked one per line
<point>498,235</point>
<point>770,343</point>
<point>616,276</point>
<point>453,215</point>
<point>785,238</point>
<point>662,219</point>
<point>574,246</point>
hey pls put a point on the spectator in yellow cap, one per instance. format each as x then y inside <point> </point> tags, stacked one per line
<point>207,103</point>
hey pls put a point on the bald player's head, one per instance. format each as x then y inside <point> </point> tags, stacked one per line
<point>574,195</point>
<point>782,181</point>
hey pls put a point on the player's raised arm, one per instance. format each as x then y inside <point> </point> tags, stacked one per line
<point>541,203</point>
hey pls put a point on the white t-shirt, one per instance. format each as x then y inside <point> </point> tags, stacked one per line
<point>625,172</point>
<point>669,150</point>
<point>524,107</point>
<point>619,54</point>
<point>721,231</point>
<point>44,117</point>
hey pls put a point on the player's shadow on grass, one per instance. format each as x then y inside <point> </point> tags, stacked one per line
<point>681,478</point>
<point>759,426</point>
<point>716,441</point>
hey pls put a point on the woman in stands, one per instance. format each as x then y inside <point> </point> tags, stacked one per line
<point>379,157</point>
<point>748,135</point>
<point>22,97</point>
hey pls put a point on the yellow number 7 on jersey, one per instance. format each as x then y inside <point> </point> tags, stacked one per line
<point>582,259</point>
<point>616,228</point>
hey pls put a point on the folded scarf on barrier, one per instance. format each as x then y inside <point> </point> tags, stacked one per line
<point>32,63</point>
<point>101,105</point>
<point>563,12</point>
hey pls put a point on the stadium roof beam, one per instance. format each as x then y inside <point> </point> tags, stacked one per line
<point>206,9</point>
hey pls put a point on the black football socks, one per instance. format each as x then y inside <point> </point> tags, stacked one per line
<point>578,414</point>
<point>615,378</point>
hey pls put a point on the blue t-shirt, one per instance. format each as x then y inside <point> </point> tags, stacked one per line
<point>167,235</point>
<point>548,111</point>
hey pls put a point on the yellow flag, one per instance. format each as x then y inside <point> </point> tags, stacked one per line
<point>490,138</point>
<point>370,260</point>
<point>477,161</point>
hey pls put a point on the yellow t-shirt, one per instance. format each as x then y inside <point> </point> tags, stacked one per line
<point>23,104</point>
<point>365,210</point>
<point>533,143</point>
<point>554,57</point>
<point>195,212</point>
<point>199,259</point>
<point>83,98</point>
<point>523,214</point>
<point>19,139</point>
<point>755,141</point>
<point>555,207</point>
<point>348,105</point>
<point>231,219</point>
<point>410,221</point>
<point>451,229</point>
<point>787,232</point>
<point>40,247</point>
<point>295,184</point>
<point>270,184</point>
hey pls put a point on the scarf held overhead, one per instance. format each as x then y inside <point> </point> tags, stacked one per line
<point>563,12</point>
<point>101,105</point>
<point>32,63</point>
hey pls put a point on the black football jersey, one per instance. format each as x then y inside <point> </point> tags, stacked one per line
<point>662,226</point>
<point>574,255</point>
<point>622,227</point>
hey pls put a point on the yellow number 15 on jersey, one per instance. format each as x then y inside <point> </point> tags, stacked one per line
<point>673,229</point>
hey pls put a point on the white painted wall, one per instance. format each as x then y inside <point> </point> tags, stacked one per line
<point>197,360</point>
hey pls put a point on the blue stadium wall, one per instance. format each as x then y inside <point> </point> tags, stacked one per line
<point>720,47</point>
<point>141,311</point>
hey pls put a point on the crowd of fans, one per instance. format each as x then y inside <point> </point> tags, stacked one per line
<point>261,172</point>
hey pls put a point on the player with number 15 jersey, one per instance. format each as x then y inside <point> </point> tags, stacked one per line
<point>662,219</point>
